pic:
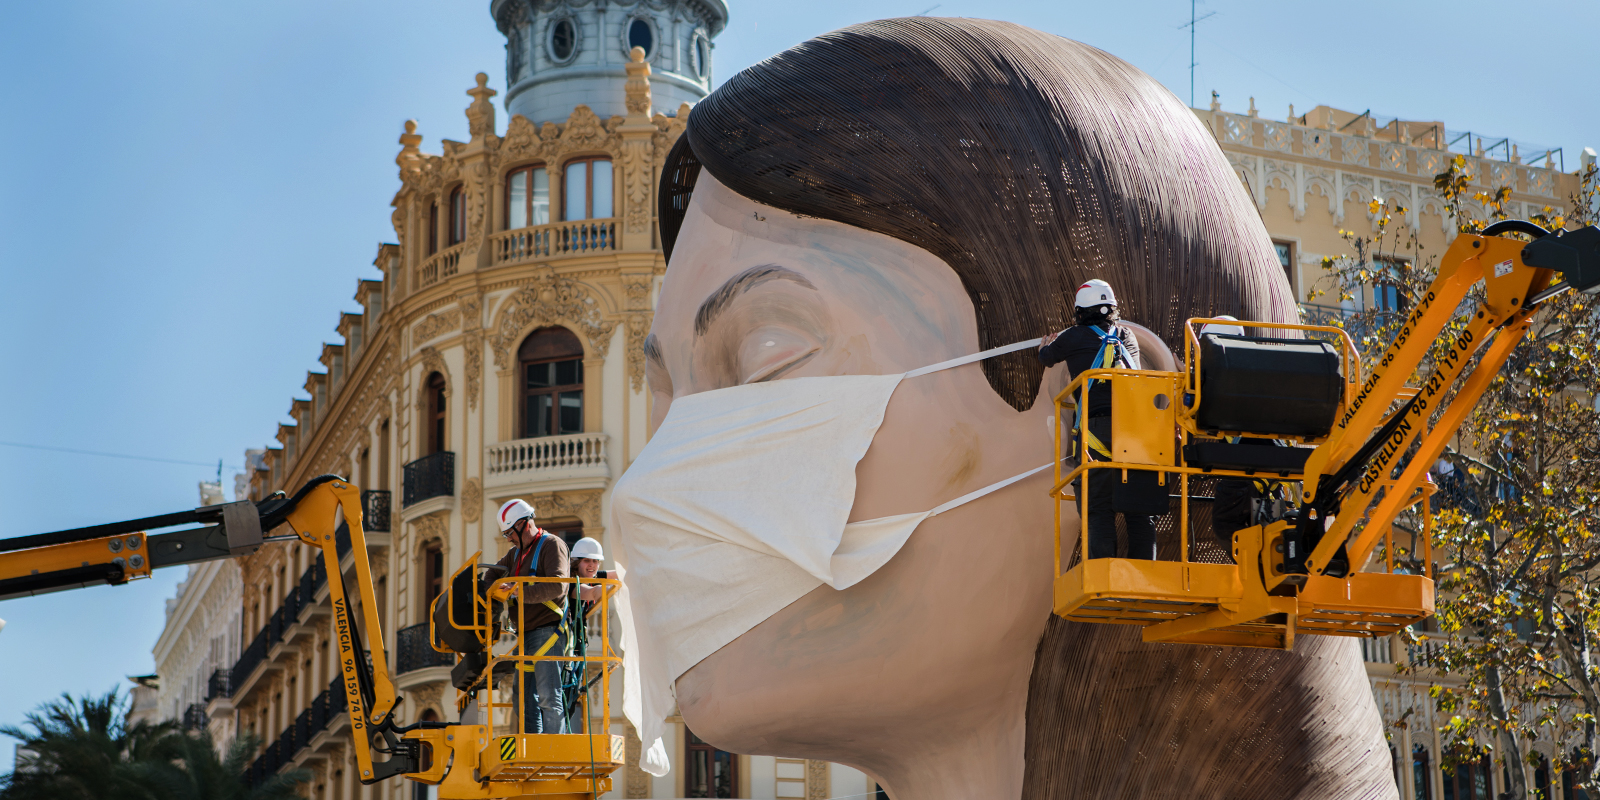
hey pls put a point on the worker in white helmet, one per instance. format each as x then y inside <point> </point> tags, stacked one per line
<point>538,612</point>
<point>586,558</point>
<point>1097,341</point>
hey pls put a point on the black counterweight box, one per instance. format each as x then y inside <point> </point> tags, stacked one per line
<point>1289,387</point>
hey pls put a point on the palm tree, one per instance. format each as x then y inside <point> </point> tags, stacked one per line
<point>204,776</point>
<point>83,749</point>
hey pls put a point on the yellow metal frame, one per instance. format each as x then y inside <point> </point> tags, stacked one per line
<point>129,550</point>
<point>1189,602</point>
<point>465,761</point>
<point>1254,602</point>
<point>1191,359</point>
<point>554,763</point>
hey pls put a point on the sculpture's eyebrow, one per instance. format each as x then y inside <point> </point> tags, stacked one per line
<point>718,300</point>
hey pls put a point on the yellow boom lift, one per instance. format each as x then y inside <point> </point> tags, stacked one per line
<point>1298,569</point>
<point>492,757</point>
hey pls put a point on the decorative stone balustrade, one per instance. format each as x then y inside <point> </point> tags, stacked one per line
<point>440,265</point>
<point>575,457</point>
<point>556,240</point>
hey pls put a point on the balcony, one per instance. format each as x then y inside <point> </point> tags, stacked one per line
<point>245,667</point>
<point>219,685</point>
<point>294,739</point>
<point>440,266</point>
<point>194,717</point>
<point>375,511</point>
<point>429,477</point>
<point>284,623</point>
<point>556,240</point>
<point>413,651</point>
<point>548,463</point>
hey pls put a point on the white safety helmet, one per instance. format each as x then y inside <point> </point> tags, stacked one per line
<point>587,548</point>
<point>1217,327</point>
<point>512,511</point>
<point>1095,293</point>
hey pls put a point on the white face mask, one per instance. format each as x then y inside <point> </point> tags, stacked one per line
<point>737,507</point>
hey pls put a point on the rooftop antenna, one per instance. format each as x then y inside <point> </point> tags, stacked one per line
<point>1191,25</point>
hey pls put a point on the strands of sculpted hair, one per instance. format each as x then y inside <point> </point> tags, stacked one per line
<point>1027,162</point>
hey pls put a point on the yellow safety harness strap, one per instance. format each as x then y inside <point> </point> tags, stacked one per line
<point>1095,444</point>
<point>544,648</point>
<point>1107,353</point>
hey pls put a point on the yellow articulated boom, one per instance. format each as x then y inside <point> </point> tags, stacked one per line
<point>494,757</point>
<point>1298,415</point>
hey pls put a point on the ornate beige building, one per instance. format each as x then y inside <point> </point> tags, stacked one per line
<point>1316,174</point>
<point>500,356</point>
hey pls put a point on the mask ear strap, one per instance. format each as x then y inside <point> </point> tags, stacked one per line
<point>993,487</point>
<point>964,360</point>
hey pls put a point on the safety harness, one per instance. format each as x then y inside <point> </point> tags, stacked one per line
<point>559,610</point>
<point>1113,349</point>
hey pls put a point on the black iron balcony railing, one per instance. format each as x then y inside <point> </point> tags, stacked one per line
<point>194,717</point>
<point>413,652</point>
<point>251,658</point>
<point>428,477</point>
<point>375,510</point>
<point>218,685</point>
<point>301,595</point>
<point>312,721</point>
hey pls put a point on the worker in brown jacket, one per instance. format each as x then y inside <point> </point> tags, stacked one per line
<point>538,609</point>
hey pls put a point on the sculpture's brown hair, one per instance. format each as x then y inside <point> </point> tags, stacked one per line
<point>1031,163</point>
<point>1027,162</point>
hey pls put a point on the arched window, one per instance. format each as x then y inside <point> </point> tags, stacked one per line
<point>563,40</point>
<point>435,420</point>
<point>458,216</point>
<point>433,228</point>
<point>708,772</point>
<point>640,35</point>
<point>1421,773</point>
<point>527,197</point>
<point>587,189</point>
<point>1470,780</point>
<point>552,383</point>
<point>702,57</point>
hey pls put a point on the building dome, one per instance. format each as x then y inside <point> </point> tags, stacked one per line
<point>560,53</point>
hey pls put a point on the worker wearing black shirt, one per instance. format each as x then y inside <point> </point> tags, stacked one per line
<point>1097,341</point>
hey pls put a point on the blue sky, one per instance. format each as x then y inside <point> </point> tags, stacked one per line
<point>189,192</point>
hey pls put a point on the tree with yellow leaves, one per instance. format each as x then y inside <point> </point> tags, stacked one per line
<point>1516,528</point>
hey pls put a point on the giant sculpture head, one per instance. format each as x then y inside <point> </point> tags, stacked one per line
<point>882,198</point>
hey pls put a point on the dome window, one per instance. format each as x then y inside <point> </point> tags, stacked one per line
<point>641,35</point>
<point>702,57</point>
<point>563,40</point>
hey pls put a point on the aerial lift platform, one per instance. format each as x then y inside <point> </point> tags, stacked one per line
<point>494,758</point>
<point>1300,567</point>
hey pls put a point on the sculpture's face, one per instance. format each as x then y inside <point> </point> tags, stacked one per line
<point>943,635</point>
